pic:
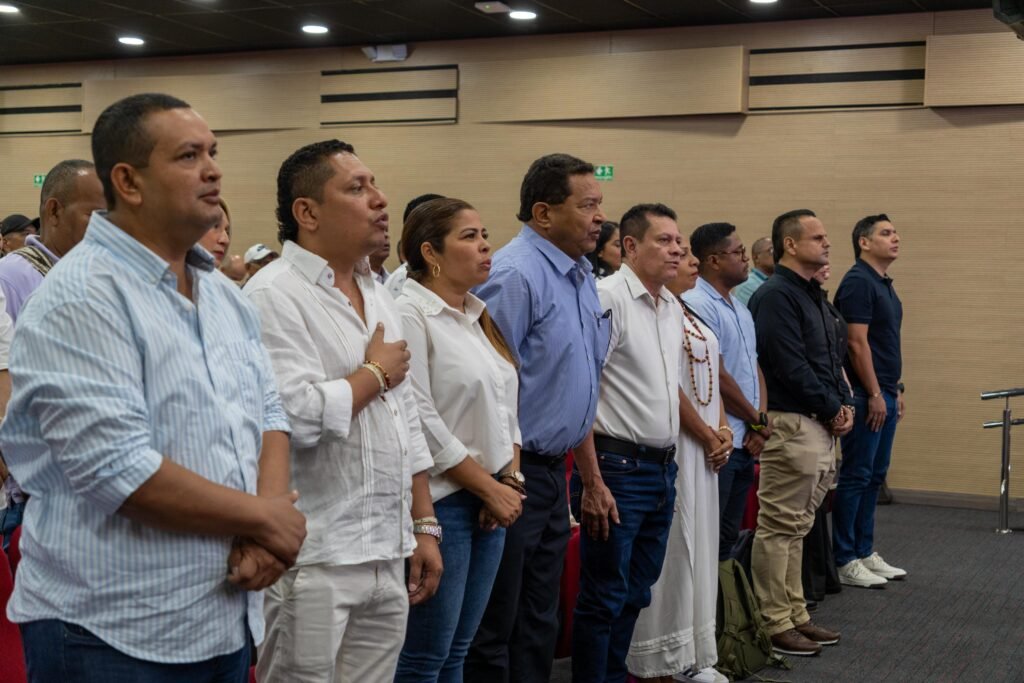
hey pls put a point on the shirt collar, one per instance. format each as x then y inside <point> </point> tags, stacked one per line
<point>135,254</point>
<point>811,285</point>
<point>866,268</point>
<point>708,289</point>
<point>636,288</point>
<point>558,258</point>
<point>756,272</point>
<point>431,304</point>
<point>34,241</point>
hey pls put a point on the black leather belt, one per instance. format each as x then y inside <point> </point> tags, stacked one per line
<point>609,444</point>
<point>541,459</point>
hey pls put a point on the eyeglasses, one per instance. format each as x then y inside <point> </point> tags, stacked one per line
<point>741,252</point>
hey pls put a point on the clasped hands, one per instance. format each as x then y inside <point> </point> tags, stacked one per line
<point>258,562</point>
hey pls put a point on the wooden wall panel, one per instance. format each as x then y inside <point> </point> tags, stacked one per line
<point>974,69</point>
<point>943,175</point>
<point>837,61</point>
<point>672,82</point>
<point>40,108</point>
<point>417,94</point>
<point>836,95</point>
<point>226,101</point>
<point>389,80</point>
<point>406,111</point>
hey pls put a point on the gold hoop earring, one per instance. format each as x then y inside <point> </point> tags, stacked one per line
<point>435,270</point>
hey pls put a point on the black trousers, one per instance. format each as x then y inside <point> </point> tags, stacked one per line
<point>819,565</point>
<point>517,636</point>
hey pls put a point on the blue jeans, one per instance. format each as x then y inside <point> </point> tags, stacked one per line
<point>59,651</point>
<point>441,629</point>
<point>734,482</point>
<point>11,516</point>
<point>866,456</point>
<point>616,575</point>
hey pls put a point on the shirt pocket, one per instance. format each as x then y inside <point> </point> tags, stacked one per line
<point>238,373</point>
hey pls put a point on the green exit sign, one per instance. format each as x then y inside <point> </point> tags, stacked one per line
<point>38,179</point>
<point>604,172</point>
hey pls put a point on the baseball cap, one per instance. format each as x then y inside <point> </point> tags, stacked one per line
<point>16,223</point>
<point>258,252</point>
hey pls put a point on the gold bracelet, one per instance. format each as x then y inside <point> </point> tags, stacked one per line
<point>383,372</point>
<point>375,371</point>
<point>727,428</point>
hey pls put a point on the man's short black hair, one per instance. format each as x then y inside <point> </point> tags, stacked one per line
<point>120,135</point>
<point>416,201</point>
<point>864,227</point>
<point>635,221</point>
<point>60,181</point>
<point>787,225</point>
<point>304,174</point>
<point>709,238</point>
<point>547,180</point>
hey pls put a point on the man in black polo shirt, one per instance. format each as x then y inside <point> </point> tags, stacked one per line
<point>873,312</point>
<point>806,395</point>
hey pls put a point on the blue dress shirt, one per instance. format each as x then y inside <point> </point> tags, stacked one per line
<point>114,370</point>
<point>734,326</point>
<point>546,306</point>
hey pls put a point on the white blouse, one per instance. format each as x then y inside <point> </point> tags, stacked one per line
<point>466,393</point>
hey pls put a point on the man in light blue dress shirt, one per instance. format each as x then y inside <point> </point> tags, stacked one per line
<point>543,298</point>
<point>147,429</point>
<point>723,265</point>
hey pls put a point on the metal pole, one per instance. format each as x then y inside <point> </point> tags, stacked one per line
<point>1004,485</point>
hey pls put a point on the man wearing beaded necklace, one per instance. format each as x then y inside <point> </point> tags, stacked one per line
<point>807,397</point>
<point>723,266</point>
<point>626,466</point>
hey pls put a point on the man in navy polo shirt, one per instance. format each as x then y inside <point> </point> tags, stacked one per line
<point>873,312</point>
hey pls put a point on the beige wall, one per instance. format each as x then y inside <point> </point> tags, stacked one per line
<point>948,177</point>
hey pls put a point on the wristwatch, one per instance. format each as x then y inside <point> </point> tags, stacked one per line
<point>515,476</point>
<point>429,526</point>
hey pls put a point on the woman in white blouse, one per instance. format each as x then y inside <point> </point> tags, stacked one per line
<point>464,380</point>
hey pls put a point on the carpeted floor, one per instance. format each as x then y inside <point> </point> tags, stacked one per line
<point>958,617</point>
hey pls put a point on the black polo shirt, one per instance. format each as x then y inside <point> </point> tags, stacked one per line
<point>798,346</point>
<point>867,298</point>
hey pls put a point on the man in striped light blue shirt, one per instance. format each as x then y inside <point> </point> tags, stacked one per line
<point>144,421</point>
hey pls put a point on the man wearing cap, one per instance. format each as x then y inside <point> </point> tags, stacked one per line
<point>257,256</point>
<point>69,196</point>
<point>13,231</point>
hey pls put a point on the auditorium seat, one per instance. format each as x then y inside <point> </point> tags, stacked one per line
<point>12,658</point>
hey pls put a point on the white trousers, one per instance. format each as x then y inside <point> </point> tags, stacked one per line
<point>335,624</point>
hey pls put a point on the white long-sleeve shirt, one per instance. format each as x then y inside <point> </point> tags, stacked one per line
<point>353,472</point>
<point>466,393</point>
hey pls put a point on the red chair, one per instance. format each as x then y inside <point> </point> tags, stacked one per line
<point>12,656</point>
<point>569,586</point>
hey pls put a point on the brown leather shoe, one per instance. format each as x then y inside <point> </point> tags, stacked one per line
<point>792,642</point>
<point>818,634</point>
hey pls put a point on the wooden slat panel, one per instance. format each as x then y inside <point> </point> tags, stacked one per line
<point>390,81</point>
<point>974,69</point>
<point>672,82</point>
<point>48,97</point>
<point>836,94</point>
<point>837,61</point>
<point>34,123</point>
<point>226,101</point>
<point>388,110</point>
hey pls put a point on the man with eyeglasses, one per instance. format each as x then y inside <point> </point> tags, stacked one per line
<point>763,257</point>
<point>724,265</point>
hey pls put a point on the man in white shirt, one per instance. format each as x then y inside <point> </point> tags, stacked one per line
<point>358,455</point>
<point>626,466</point>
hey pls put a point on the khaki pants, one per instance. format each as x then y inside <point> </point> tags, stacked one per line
<point>797,468</point>
<point>328,624</point>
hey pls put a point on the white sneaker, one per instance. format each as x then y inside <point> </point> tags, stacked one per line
<point>708,675</point>
<point>876,565</point>
<point>854,573</point>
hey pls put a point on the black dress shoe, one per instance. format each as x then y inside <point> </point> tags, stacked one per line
<point>812,605</point>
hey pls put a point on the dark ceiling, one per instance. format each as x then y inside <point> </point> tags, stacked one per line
<point>73,30</point>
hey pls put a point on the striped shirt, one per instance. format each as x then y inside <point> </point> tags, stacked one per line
<point>113,370</point>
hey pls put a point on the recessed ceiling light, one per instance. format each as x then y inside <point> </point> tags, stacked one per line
<point>9,9</point>
<point>131,40</point>
<point>314,28</point>
<point>764,2</point>
<point>522,15</point>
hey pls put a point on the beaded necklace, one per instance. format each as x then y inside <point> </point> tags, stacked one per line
<point>694,331</point>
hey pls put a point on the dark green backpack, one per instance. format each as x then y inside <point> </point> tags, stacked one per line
<point>744,647</point>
